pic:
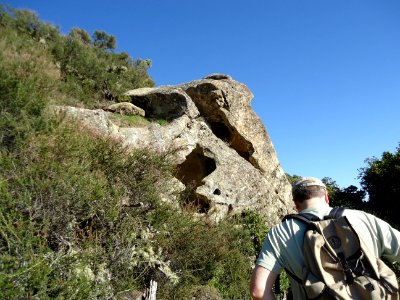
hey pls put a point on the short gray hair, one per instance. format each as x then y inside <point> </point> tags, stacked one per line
<point>306,188</point>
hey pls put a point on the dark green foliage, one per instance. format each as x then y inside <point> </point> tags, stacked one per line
<point>292,178</point>
<point>26,80</point>
<point>97,72</point>
<point>91,73</point>
<point>27,22</point>
<point>65,217</point>
<point>350,197</point>
<point>103,40</point>
<point>78,33</point>
<point>255,226</point>
<point>331,186</point>
<point>381,180</point>
<point>205,254</point>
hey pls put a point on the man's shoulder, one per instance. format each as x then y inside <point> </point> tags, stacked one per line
<point>355,213</point>
<point>364,223</point>
<point>289,225</point>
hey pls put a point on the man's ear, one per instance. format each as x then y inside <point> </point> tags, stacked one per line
<point>297,205</point>
<point>326,198</point>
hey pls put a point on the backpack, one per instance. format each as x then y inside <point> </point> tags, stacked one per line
<point>338,264</point>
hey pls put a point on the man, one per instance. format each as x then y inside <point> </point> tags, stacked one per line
<point>284,242</point>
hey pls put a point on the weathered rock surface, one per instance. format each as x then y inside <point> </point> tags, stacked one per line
<point>223,150</point>
<point>126,108</point>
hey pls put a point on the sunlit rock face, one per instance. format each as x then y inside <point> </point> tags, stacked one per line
<point>225,159</point>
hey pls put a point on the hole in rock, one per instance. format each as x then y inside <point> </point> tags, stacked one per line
<point>162,105</point>
<point>221,131</point>
<point>217,192</point>
<point>206,100</point>
<point>195,202</point>
<point>191,173</point>
<point>233,139</point>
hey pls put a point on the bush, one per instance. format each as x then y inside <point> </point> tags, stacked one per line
<point>205,254</point>
<point>90,72</point>
<point>27,79</point>
<point>68,204</point>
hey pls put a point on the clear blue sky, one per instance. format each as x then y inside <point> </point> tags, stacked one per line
<point>325,74</point>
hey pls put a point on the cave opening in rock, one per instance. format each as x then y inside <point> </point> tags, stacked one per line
<point>242,146</point>
<point>204,97</point>
<point>232,138</point>
<point>167,106</point>
<point>191,173</point>
<point>221,131</point>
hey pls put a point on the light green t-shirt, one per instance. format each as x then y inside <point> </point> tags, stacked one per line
<point>283,244</point>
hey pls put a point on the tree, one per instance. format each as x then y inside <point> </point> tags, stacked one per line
<point>331,187</point>
<point>80,34</point>
<point>350,197</point>
<point>103,40</point>
<point>381,180</point>
<point>292,178</point>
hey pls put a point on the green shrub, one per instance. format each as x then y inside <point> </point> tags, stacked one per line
<point>205,254</point>
<point>70,211</point>
<point>255,226</point>
<point>90,72</point>
<point>27,79</point>
<point>100,73</point>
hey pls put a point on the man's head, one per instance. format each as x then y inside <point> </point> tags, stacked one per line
<point>308,188</point>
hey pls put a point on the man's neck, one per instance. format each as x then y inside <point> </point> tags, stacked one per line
<point>313,203</point>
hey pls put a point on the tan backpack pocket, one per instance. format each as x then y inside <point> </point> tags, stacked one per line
<point>315,288</point>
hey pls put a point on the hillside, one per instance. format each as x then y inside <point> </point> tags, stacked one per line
<point>81,216</point>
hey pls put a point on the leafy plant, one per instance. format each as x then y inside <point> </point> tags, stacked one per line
<point>381,180</point>
<point>91,73</point>
<point>256,227</point>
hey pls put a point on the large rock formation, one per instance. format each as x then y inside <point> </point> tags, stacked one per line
<point>224,155</point>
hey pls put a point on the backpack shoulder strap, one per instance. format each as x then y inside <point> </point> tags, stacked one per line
<point>306,218</point>
<point>335,213</point>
